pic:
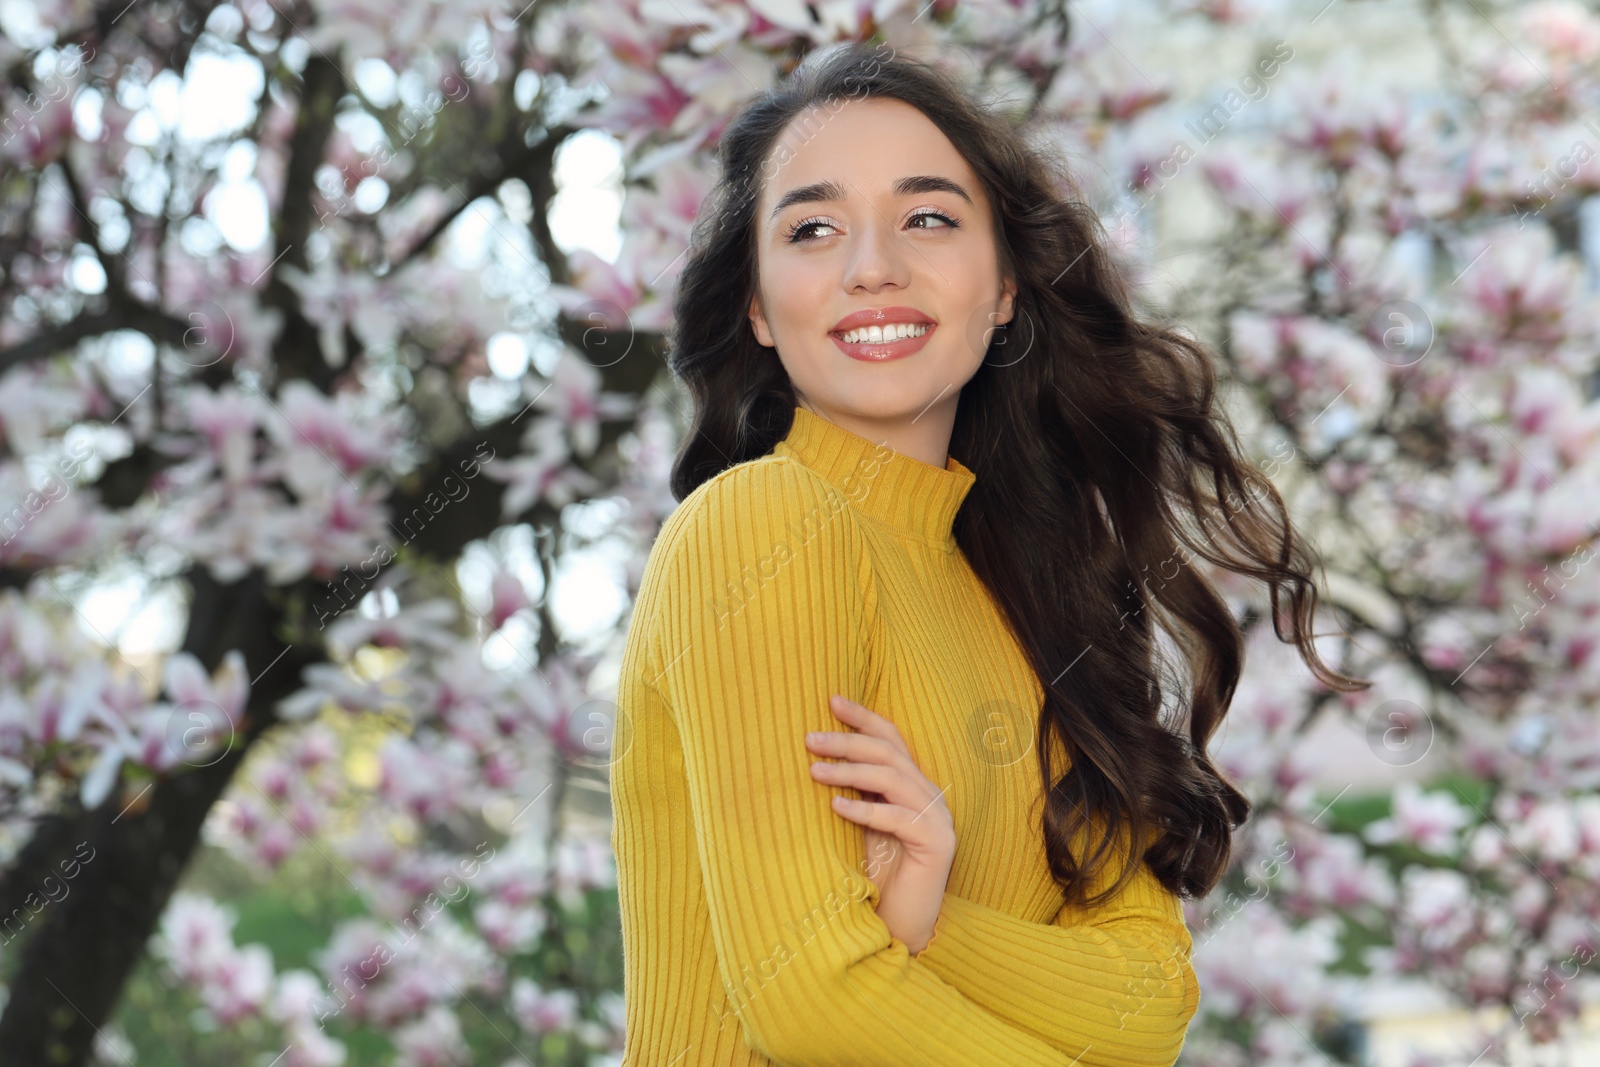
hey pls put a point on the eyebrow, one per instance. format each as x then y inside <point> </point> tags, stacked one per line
<point>830,191</point>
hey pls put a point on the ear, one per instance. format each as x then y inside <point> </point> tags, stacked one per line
<point>1008,302</point>
<point>758,322</point>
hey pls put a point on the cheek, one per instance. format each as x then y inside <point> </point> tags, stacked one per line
<point>974,284</point>
<point>973,270</point>
<point>799,297</point>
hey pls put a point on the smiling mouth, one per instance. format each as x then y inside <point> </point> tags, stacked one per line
<point>889,345</point>
<point>895,331</point>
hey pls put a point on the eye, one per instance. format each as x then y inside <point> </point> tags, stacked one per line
<point>932,213</point>
<point>792,233</point>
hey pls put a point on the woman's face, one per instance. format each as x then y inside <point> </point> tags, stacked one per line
<point>844,239</point>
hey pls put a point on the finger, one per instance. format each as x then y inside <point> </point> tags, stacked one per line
<point>912,786</point>
<point>866,777</point>
<point>892,784</point>
<point>862,716</point>
<point>867,721</point>
<point>891,819</point>
<point>881,770</point>
<point>861,748</point>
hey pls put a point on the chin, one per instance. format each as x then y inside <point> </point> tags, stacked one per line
<point>894,404</point>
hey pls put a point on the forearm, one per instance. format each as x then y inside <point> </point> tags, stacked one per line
<point>1121,988</point>
<point>886,1009</point>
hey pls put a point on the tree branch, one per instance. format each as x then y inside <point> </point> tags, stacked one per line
<point>297,352</point>
<point>515,162</point>
<point>126,314</point>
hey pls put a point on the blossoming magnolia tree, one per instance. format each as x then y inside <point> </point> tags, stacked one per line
<point>354,456</point>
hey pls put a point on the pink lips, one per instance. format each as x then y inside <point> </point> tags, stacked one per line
<point>882,351</point>
<point>879,317</point>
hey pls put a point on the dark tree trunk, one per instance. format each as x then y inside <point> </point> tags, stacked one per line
<point>80,949</point>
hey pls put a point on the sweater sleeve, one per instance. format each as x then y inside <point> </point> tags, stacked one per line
<point>766,607</point>
<point>1113,982</point>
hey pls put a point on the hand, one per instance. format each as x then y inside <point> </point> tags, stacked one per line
<point>911,838</point>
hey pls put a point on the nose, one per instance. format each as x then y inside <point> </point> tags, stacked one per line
<point>876,258</point>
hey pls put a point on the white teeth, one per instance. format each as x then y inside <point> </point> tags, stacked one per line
<point>877,335</point>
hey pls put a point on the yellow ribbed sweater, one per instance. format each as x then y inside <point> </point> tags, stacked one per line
<point>749,928</point>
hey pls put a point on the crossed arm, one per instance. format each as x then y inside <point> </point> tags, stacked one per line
<point>813,973</point>
<point>1115,983</point>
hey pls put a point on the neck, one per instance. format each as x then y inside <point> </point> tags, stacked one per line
<point>925,436</point>
<point>915,498</point>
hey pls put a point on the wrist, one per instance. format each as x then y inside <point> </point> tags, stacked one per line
<point>926,940</point>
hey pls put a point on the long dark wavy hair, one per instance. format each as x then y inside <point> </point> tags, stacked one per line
<point>1101,464</point>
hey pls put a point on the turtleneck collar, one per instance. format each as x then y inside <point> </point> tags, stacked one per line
<point>915,498</point>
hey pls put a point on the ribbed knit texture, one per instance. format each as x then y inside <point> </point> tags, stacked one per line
<point>750,934</point>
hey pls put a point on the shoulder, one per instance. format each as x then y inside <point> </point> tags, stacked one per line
<point>768,504</point>
<point>771,526</point>
<point>760,574</point>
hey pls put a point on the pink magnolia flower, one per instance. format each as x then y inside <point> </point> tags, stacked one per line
<point>227,420</point>
<point>575,399</point>
<point>34,402</point>
<point>1437,906</point>
<point>423,625</point>
<point>434,1040</point>
<point>507,929</point>
<point>200,713</point>
<point>643,100</point>
<point>240,985</point>
<point>195,935</point>
<point>227,691</point>
<point>541,1012</point>
<point>1566,31</point>
<point>335,427</point>
<point>332,684</point>
<point>299,995</point>
<point>1549,832</point>
<point>336,300</point>
<point>507,597</point>
<point>1336,873</point>
<point>49,524</point>
<point>584,864</point>
<point>310,1046</point>
<point>427,783</point>
<point>274,842</point>
<point>1266,965</point>
<point>542,473</point>
<point>196,941</point>
<point>1430,821</point>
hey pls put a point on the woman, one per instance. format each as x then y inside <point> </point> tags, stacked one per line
<point>885,279</point>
